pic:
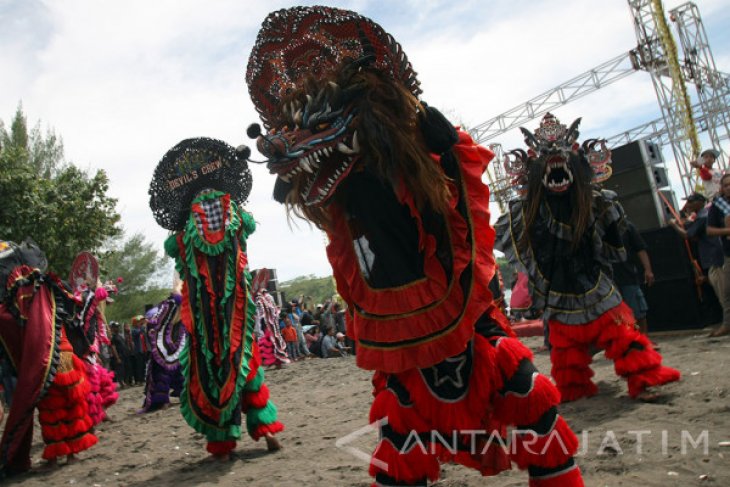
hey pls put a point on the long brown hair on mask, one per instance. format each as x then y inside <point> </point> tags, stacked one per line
<point>390,139</point>
<point>580,194</point>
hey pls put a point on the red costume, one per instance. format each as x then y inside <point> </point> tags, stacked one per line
<point>33,307</point>
<point>399,192</point>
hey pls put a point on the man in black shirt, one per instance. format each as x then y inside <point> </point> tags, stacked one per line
<point>718,224</point>
<point>628,278</point>
<point>119,354</point>
<point>708,249</point>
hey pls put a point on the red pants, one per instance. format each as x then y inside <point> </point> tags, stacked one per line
<point>632,354</point>
<point>419,429</point>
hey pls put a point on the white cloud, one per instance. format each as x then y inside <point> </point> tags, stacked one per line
<point>122,82</point>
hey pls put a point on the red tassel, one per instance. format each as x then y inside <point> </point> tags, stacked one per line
<point>220,448</point>
<point>572,376</point>
<point>571,478</point>
<point>573,392</point>
<point>551,450</point>
<point>401,419</point>
<point>650,378</point>
<point>256,399</point>
<point>514,409</point>
<point>264,429</point>
<point>570,357</point>
<point>413,466</point>
<point>510,352</point>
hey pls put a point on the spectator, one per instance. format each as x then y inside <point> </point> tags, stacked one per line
<point>314,341</point>
<point>293,314</point>
<point>130,361</point>
<point>138,351</point>
<point>718,225</point>
<point>709,249</point>
<point>119,354</point>
<point>693,204</point>
<point>329,344</point>
<point>710,177</point>
<point>628,278</point>
<point>290,337</point>
<point>338,317</point>
<point>341,345</point>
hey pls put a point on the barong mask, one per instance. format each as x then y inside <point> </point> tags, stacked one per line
<point>556,160</point>
<point>307,76</point>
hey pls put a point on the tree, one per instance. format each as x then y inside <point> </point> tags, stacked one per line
<point>317,288</point>
<point>64,209</point>
<point>146,277</point>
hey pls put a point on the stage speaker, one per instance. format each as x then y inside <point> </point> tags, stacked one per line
<point>675,302</point>
<point>679,305</point>
<point>638,173</point>
<point>273,284</point>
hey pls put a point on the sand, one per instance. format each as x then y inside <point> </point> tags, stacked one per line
<point>321,401</point>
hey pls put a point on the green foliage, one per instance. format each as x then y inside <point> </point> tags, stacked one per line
<point>143,272</point>
<point>314,289</point>
<point>63,208</point>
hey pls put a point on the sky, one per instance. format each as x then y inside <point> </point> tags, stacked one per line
<point>123,82</point>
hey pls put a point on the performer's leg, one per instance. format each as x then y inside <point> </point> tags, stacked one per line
<point>260,411</point>
<point>572,372</point>
<point>401,456</point>
<point>542,442</point>
<point>632,353</point>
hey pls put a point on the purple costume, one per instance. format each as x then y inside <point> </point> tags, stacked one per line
<point>167,338</point>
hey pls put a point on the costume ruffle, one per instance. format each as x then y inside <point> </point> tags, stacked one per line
<point>221,355</point>
<point>570,308</point>
<point>63,413</point>
<point>432,318</point>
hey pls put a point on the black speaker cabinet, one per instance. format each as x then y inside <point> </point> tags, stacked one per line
<point>674,301</point>
<point>638,174</point>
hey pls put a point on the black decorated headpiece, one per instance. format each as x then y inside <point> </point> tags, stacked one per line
<point>301,41</point>
<point>192,166</point>
<point>553,137</point>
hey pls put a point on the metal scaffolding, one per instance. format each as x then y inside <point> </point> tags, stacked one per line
<point>657,54</point>
<point>588,82</point>
<point>713,87</point>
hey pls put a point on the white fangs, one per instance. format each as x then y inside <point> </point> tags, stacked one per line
<point>304,164</point>
<point>557,184</point>
<point>344,149</point>
<point>355,149</point>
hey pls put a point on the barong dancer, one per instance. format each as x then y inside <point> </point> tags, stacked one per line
<point>168,338</point>
<point>564,233</point>
<point>87,331</point>
<point>271,343</point>
<point>197,192</point>
<point>33,307</point>
<point>398,190</point>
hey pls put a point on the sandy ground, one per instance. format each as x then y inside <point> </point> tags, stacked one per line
<point>321,401</point>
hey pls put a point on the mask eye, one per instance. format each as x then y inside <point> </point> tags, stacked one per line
<point>322,125</point>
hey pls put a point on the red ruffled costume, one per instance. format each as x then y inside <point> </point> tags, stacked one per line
<point>410,248</point>
<point>64,412</point>
<point>400,333</point>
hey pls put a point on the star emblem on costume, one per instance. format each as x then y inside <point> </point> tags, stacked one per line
<point>450,373</point>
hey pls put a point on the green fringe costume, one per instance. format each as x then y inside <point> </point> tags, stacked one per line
<point>221,360</point>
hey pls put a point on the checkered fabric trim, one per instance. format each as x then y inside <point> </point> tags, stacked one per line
<point>214,214</point>
<point>722,204</point>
